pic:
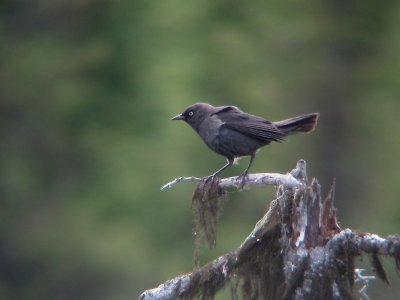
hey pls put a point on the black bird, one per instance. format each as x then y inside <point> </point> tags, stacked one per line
<point>233,133</point>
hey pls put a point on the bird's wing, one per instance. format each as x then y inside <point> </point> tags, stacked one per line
<point>249,125</point>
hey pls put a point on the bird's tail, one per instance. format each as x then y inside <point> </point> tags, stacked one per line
<point>304,123</point>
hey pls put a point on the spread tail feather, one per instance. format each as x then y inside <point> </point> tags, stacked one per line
<point>305,123</point>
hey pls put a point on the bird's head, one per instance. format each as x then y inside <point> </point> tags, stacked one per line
<point>195,114</point>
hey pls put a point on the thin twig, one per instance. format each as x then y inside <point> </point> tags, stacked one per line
<point>180,179</point>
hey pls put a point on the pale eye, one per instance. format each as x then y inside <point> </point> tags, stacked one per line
<point>190,113</point>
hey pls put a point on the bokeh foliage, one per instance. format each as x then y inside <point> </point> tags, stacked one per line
<point>87,89</point>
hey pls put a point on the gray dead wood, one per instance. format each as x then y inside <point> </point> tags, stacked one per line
<point>296,251</point>
<point>289,180</point>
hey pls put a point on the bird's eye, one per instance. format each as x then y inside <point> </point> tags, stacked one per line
<point>190,113</point>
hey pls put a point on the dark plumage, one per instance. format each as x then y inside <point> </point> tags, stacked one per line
<point>233,133</point>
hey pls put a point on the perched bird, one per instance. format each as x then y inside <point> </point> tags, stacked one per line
<point>233,133</point>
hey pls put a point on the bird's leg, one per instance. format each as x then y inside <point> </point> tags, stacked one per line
<point>244,174</point>
<point>230,162</point>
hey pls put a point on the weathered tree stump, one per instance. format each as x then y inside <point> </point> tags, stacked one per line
<point>296,251</point>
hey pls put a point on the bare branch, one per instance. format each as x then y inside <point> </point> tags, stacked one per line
<point>291,180</point>
<point>180,179</point>
<point>171,289</point>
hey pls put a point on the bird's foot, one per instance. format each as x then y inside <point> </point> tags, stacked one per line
<point>209,178</point>
<point>242,178</point>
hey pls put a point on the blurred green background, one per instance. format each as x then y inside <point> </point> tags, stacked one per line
<point>87,89</point>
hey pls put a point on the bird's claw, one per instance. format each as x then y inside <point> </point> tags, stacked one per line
<point>242,178</point>
<point>209,178</point>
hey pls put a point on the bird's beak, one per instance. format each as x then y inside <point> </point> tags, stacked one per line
<point>178,117</point>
